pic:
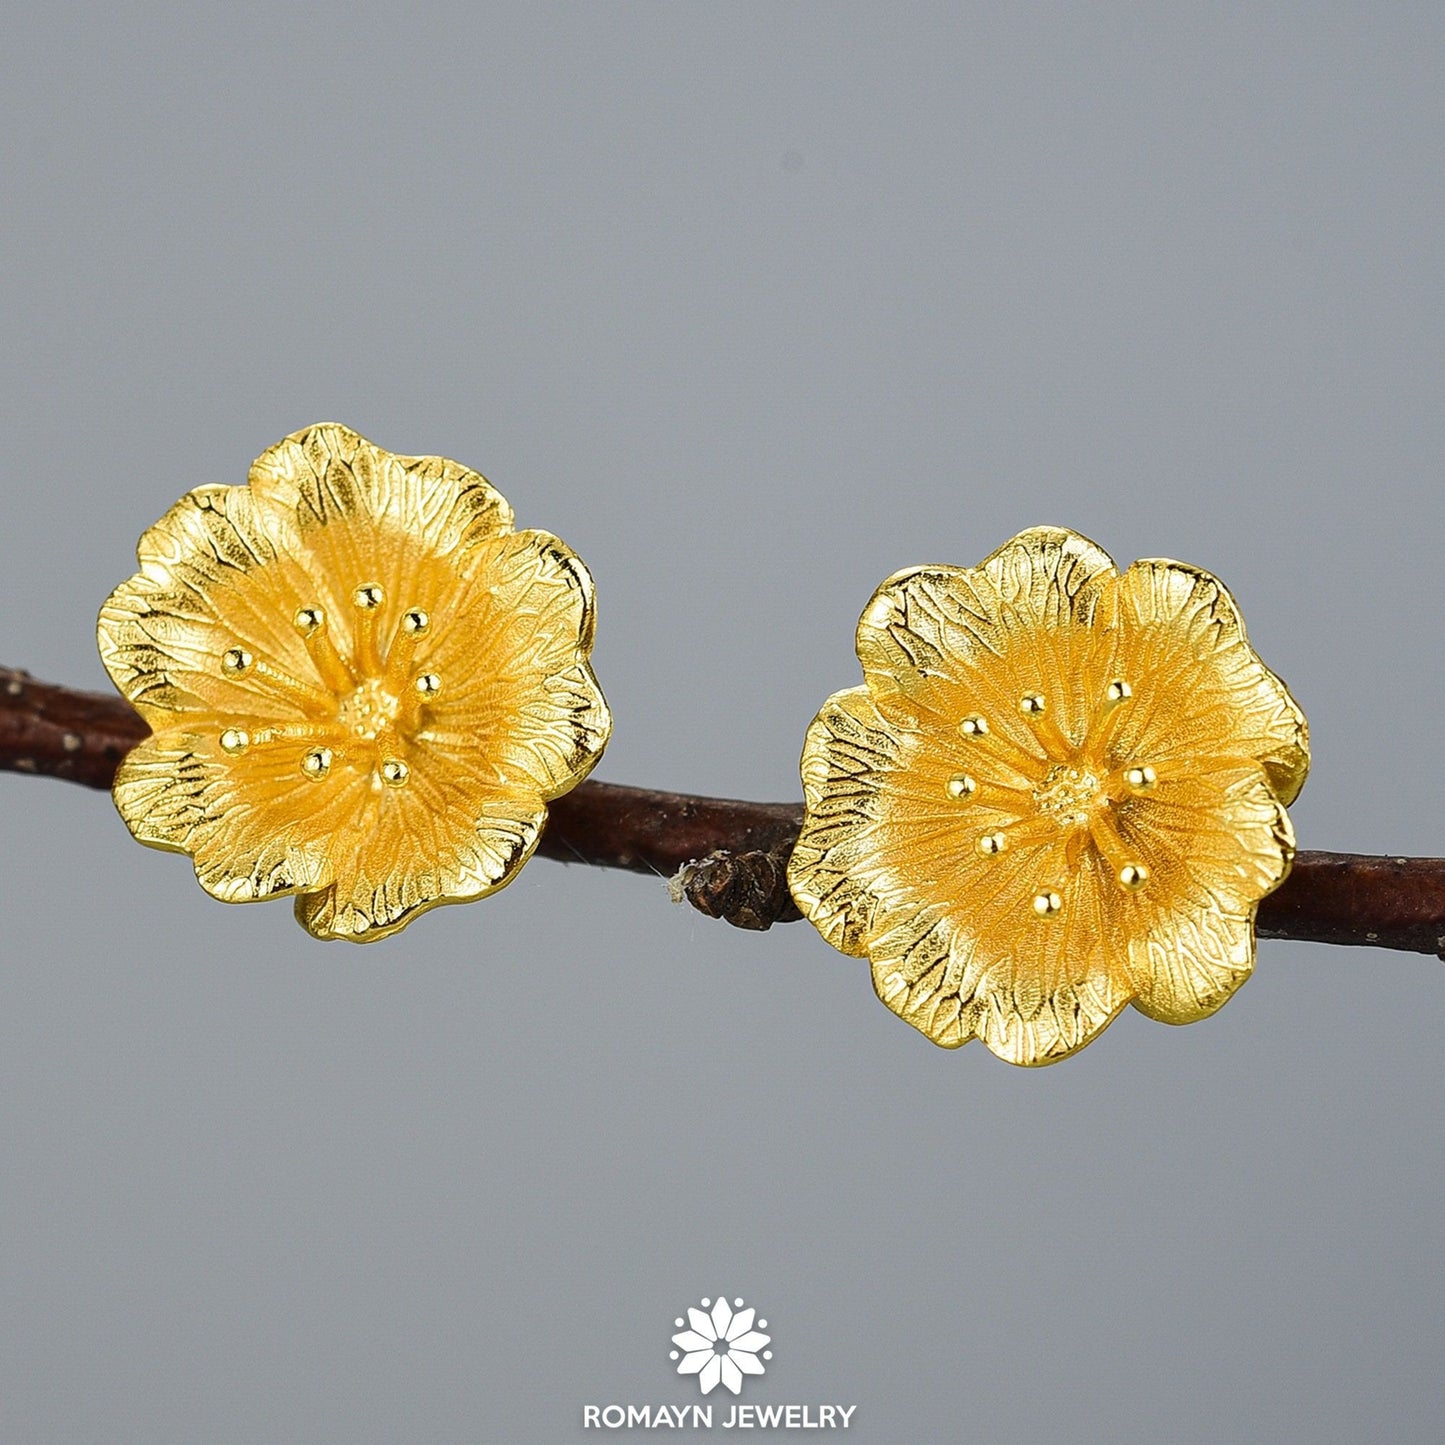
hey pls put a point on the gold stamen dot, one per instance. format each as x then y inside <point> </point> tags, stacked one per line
<point>309,620</point>
<point>1133,876</point>
<point>428,684</point>
<point>414,622</point>
<point>1032,704</point>
<point>1047,904</point>
<point>317,763</point>
<point>962,786</point>
<point>236,659</point>
<point>992,844</point>
<point>974,726</point>
<point>1117,691</point>
<point>235,740</point>
<point>368,596</point>
<point>394,772</point>
<point>1140,779</point>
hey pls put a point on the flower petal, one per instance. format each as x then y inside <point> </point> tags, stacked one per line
<point>1201,688</point>
<point>747,1362</point>
<point>986,965</point>
<point>732,1376</point>
<point>1217,838</point>
<point>722,1317</point>
<point>1192,970</point>
<point>937,643</point>
<point>849,755</point>
<point>356,515</point>
<point>702,1323</point>
<point>691,1364</point>
<point>1215,844</point>
<point>256,827</point>
<point>429,843</point>
<point>334,482</point>
<point>519,697</point>
<point>710,1375</point>
<point>211,578</point>
<point>742,1322</point>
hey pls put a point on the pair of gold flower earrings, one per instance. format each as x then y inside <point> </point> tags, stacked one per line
<point>1060,788</point>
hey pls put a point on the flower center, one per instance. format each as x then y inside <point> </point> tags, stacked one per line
<point>364,708</point>
<point>1069,794</point>
<point>1072,807</point>
<point>370,710</point>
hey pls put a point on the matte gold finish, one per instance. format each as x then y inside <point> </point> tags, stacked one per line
<point>1122,834</point>
<point>286,642</point>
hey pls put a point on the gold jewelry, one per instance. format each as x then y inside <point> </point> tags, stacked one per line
<point>1059,790</point>
<point>363,686</point>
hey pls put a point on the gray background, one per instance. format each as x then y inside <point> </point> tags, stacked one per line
<point>753,304</point>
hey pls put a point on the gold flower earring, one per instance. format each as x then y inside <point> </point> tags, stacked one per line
<point>363,686</point>
<point>1059,790</point>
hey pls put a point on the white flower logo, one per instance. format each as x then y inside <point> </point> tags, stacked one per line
<point>721,1347</point>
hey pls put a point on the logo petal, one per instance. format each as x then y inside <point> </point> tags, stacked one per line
<point>750,1342</point>
<point>690,1364</point>
<point>691,1340</point>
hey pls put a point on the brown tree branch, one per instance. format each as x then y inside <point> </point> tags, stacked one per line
<point>729,859</point>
